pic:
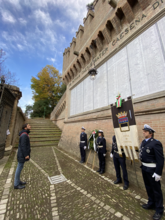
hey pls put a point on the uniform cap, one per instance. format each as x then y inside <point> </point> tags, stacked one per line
<point>100,131</point>
<point>148,128</point>
<point>83,128</point>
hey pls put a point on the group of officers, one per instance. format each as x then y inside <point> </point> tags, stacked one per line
<point>152,163</point>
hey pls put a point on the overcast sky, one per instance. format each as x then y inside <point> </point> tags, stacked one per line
<point>34,33</point>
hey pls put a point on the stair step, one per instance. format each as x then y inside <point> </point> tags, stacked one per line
<point>44,136</point>
<point>43,140</point>
<point>44,144</point>
<point>51,145</point>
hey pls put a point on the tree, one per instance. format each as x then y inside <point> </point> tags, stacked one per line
<point>28,111</point>
<point>48,86</point>
<point>10,78</point>
<point>41,108</point>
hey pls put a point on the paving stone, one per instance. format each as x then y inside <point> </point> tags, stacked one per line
<point>112,210</point>
<point>107,207</point>
<point>2,217</point>
<point>125,218</point>
<point>2,206</point>
<point>118,214</point>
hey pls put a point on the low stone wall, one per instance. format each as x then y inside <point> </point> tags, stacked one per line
<point>150,112</point>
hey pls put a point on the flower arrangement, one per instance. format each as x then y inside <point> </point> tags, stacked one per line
<point>92,137</point>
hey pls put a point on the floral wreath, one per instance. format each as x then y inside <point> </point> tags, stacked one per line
<point>92,140</point>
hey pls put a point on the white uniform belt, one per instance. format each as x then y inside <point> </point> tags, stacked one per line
<point>82,141</point>
<point>149,164</point>
<point>100,146</point>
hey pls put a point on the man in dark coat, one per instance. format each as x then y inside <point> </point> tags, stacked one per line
<point>119,161</point>
<point>22,155</point>
<point>83,144</point>
<point>152,158</point>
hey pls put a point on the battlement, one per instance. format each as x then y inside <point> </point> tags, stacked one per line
<point>101,27</point>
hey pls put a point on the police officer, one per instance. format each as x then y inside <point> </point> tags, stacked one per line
<point>83,144</point>
<point>152,158</point>
<point>101,150</point>
<point>119,161</point>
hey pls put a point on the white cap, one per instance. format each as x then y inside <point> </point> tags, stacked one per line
<point>148,128</point>
<point>83,128</point>
<point>100,131</point>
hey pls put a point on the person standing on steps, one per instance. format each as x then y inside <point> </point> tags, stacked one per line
<point>83,144</point>
<point>101,150</point>
<point>119,161</point>
<point>23,155</point>
<point>152,158</point>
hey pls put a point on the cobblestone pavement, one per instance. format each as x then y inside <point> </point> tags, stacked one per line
<point>85,195</point>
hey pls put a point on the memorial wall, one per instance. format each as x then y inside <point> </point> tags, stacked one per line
<point>138,69</point>
<point>129,53</point>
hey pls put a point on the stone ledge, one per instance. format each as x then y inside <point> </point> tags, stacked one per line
<point>137,113</point>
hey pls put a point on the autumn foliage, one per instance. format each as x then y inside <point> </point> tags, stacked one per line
<point>47,87</point>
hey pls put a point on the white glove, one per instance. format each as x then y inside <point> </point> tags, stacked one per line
<point>157,177</point>
<point>104,155</point>
<point>111,155</point>
<point>85,147</point>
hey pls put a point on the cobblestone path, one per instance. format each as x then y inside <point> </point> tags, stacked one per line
<point>85,195</point>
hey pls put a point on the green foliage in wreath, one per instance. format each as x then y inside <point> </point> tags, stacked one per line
<point>91,138</point>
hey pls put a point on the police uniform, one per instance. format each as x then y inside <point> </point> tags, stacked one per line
<point>152,158</point>
<point>101,150</point>
<point>83,144</point>
<point>119,161</point>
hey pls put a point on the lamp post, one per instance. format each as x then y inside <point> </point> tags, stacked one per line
<point>2,81</point>
<point>92,72</point>
<point>44,111</point>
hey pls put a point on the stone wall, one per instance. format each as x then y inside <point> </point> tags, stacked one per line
<point>11,118</point>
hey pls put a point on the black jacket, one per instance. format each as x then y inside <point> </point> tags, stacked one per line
<point>114,150</point>
<point>24,146</point>
<point>101,142</point>
<point>83,137</point>
<point>151,151</point>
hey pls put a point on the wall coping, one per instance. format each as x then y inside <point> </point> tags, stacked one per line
<point>156,95</point>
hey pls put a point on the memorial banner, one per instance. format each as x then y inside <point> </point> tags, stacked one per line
<point>125,129</point>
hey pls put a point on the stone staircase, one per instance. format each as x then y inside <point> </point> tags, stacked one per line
<point>43,133</point>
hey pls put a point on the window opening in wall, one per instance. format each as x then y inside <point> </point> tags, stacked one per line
<point>120,13</point>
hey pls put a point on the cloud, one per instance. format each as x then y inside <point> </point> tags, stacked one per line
<point>7,16</point>
<point>22,21</point>
<point>51,59</point>
<point>26,98</point>
<point>43,17</point>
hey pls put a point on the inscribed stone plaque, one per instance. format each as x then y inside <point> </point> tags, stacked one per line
<point>88,94</point>
<point>79,98</point>
<point>100,88</point>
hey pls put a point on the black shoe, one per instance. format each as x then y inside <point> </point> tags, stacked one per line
<point>125,187</point>
<point>19,187</point>
<point>81,161</point>
<point>101,172</point>
<point>157,216</point>
<point>146,206</point>
<point>22,183</point>
<point>117,182</point>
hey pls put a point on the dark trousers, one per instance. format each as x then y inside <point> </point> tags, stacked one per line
<point>101,161</point>
<point>83,154</point>
<point>18,173</point>
<point>153,188</point>
<point>121,161</point>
